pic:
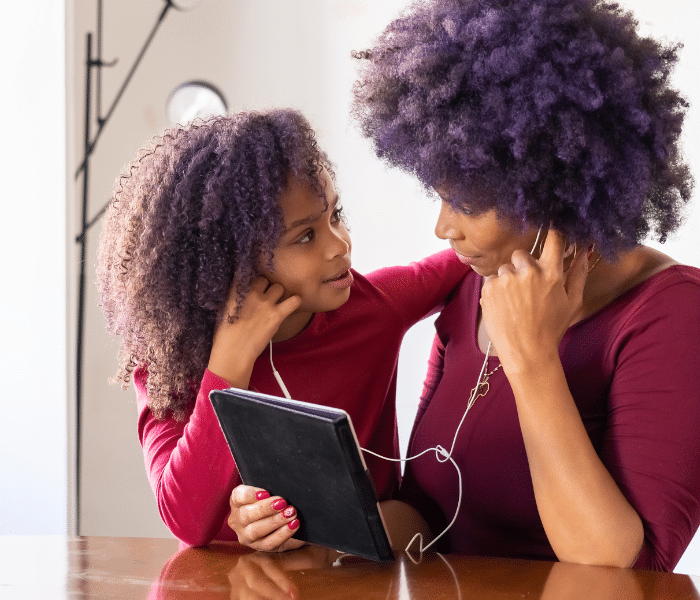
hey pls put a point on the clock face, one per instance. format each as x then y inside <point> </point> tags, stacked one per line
<point>192,100</point>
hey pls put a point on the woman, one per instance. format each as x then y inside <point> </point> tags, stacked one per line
<point>554,120</point>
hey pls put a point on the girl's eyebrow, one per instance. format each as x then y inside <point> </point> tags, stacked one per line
<point>311,218</point>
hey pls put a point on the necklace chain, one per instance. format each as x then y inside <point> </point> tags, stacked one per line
<point>483,387</point>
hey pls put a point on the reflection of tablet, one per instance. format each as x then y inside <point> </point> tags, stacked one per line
<point>308,454</point>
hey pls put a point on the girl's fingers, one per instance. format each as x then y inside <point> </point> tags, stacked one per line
<point>247,494</point>
<point>279,540</point>
<point>265,508</point>
<point>271,569</point>
<point>288,306</point>
<point>256,576</point>
<point>291,544</point>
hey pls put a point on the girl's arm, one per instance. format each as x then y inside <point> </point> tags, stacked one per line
<point>526,310</point>
<point>188,463</point>
<point>239,340</point>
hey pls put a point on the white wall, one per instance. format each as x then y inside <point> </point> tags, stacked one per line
<point>304,54</point>
<point>33,438</point>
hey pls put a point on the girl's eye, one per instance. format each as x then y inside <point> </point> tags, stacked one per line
<point>337,215</point>
<point>307,237</point>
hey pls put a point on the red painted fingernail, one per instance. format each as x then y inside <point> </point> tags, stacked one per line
<point>262,495</point>
<point>294,524</point>
<point>279,504</point>
<point>288,512</point>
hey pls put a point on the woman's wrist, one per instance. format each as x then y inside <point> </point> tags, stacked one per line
<point>538,363</point>
<point>536,371</point>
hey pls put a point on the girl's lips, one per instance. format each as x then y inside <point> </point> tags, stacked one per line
<point>344,280</point>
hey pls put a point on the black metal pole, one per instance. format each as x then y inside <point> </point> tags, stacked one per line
<point>81,238</point>
<point>81,282</point>
<point>103,121</point>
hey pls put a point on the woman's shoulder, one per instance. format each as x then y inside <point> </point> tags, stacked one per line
<point>640,273</point>
<point>658,272</point>
<point>671,292</point>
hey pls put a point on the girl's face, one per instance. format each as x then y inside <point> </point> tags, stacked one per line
<point>481,240</point>
<point>312,259</point>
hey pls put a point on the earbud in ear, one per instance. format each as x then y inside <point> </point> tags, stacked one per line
<point>537,241</point>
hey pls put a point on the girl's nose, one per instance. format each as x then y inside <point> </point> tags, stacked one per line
<point>338,243</point>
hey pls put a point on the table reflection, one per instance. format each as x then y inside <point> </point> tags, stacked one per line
<point>314,573</point>
<point>112,567</point>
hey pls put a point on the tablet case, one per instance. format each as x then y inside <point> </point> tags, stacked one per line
<point>307,454</point>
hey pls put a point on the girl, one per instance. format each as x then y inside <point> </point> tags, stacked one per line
<point>226,238</point>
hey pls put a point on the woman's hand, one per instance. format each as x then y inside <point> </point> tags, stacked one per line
<point>528,307</point>
<point>263,522</point>
<point>238,341</point>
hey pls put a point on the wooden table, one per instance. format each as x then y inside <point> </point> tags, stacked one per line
<point>50,567</point>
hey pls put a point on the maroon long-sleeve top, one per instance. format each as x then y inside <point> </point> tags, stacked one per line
<point>346,358</point>
<point>633,369</point>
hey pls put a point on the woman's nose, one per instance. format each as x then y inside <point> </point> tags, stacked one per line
<point>446,228</point>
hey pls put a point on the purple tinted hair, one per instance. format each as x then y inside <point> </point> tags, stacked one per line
<point>557,107</point>
<point>196,209</point>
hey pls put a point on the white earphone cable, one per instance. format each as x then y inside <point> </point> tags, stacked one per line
<point>441,455</point>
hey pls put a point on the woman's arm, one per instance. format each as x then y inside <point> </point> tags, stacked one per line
<point>526,310</point>
<point>585,515</point>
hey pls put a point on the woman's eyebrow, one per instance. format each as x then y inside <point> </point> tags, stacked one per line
<point>311,218</point>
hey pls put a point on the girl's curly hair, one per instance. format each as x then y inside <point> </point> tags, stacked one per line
<point>197,208</point>
<point>557,107</point>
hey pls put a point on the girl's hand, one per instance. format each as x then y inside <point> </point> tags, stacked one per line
<point>259,575</point>
<point>528,307</point>
<point>263,522</point>
<point>239,341</point>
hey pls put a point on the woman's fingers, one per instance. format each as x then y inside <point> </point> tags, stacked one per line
<point>576,277</point>
<point>552,257</point>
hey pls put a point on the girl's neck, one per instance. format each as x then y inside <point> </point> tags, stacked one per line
<point>293,325</point>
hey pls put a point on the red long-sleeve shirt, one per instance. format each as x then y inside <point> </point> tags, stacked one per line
<point>632,368</point>
<point>346,358</point>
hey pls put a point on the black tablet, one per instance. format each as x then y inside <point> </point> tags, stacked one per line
<point>309,455</point>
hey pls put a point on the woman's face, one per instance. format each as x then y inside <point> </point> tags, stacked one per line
<point>312,259</point>
<point>481,240</point>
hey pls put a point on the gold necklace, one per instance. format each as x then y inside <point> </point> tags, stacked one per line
<point>483,387</point>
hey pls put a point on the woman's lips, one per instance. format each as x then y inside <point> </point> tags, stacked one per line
<point>343,280</point>
<point>467,260</point>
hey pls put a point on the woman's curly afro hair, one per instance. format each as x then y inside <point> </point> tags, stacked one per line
<point>197,208</point>
<point>557,107</point>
